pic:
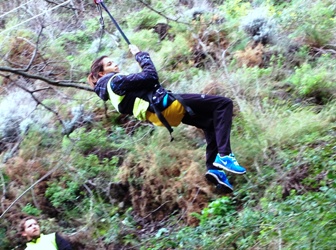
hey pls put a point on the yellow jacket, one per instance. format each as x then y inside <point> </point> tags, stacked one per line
<point>45,242</point>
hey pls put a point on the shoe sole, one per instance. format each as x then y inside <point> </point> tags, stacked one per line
<point>220,186</point>
<point>217,165</point>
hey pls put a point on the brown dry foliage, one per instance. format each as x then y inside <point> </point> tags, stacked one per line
<point>22,175</point>
<point>21,53</point>
<point>22,171</point>
<point>294,180</point>
<point>162,29</point>
<point>209,44</point>
<point>252,56</point>
<point>213,88</point>
<point>159,191</point>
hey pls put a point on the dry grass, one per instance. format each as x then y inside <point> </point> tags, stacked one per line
<point>251,56</point>
<point>165,183</point>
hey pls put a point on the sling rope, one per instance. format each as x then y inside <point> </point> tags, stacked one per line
<point>16,8</point>
<point>57,6</point>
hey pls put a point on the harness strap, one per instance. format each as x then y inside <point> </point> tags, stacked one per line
<point>160,116</point>
<point>181,100</point>
<point>162,119</point>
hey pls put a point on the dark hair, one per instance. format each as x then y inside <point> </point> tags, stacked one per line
<point>96,67</point>
<point>23,222</point>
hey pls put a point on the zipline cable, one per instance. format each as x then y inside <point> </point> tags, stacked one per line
<point>101,3</point>
<point>57,6</point>
<point>16,8</point>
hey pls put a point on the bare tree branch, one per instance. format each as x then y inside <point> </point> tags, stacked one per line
<point>35,50</point>
<point>58,83</point>
<point>66,7</point>
<point>46,107</point>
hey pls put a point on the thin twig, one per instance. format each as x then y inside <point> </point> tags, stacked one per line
<point>4,191</point>
<point>185,211</point>
<point>43,105</point>
<point>156,209</point>
<point>35,50</point>
<point>161,14</point>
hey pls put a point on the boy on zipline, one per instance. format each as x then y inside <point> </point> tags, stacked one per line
<point>141,95</point>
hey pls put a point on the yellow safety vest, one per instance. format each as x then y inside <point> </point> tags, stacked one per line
<point>45,242</point>
<point>139,108</point>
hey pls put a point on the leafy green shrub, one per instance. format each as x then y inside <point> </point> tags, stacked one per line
<point>177,58</point>
<point>31,210</point>
<point>143,19</point>
<point>4,241</point>
<point>94,169</point>
<point>262,132</point>
<point>147,40</point>
<point>315,81</point>
<point>222,207</point>
<point>70,192</point>
<point>64,194</point>
<point>39,142</point>
<point>252,81</point>
<point>295,223</point>
<point>309,21</point>
<point>234,11</point>
<point>87,140</point>
<point>121,230</point>
<point>292,223</point>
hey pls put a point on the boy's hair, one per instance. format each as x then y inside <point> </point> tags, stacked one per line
<point>23,221</point>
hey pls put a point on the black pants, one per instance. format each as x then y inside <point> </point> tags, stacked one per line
<point>213,114</point>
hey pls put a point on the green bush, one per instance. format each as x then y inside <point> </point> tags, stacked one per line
<point>143,19</point>
<point>309,21</point>
<point>147,40</point>
<point>4,241</point>
<point>315,81</point>
<point>31,210</point>
<point>87,140</point>
<point>222,207</point>
<point>64,194</point>
<point>233,11</point>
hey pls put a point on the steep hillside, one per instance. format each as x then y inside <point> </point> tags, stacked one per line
<point>108,181</point>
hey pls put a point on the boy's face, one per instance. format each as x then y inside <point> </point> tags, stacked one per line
<point>31,229</point>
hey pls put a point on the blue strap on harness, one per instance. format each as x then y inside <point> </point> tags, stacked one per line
<point>165,101</point>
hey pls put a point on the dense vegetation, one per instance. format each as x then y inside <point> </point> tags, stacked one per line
<point>110,182</point>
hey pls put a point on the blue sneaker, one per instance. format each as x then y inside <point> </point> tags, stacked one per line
<point>229,163</point>
<point>220,180</point>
